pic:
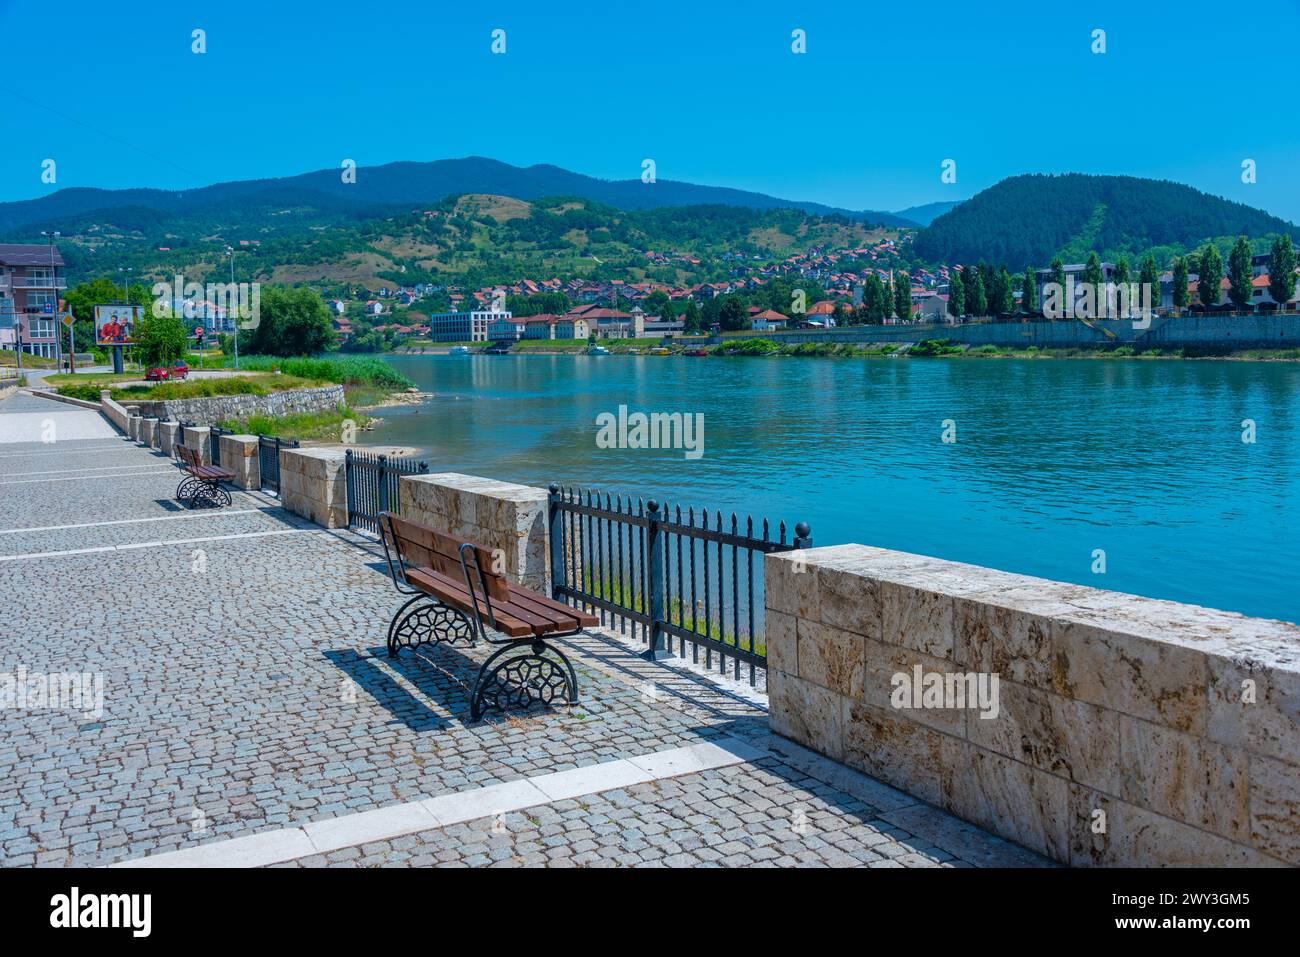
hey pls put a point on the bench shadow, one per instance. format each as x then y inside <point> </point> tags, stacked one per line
<point>425,688</point>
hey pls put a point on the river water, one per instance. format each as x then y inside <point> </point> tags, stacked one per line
<point>1048,463</point>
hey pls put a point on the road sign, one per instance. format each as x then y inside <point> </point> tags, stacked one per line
<point>66,319</point>
<point>198,332</point>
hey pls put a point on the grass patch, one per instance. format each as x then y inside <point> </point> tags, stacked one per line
<point>327,425</point>
<point>187,389</point>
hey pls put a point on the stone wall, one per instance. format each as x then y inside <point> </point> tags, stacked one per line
<point>313,484</point>
<point>198,437</point>
<point>239,453</point>
<point>496,515</point>
<point>114,412</point>
<point>209,411</point>
<point>1128,731</point>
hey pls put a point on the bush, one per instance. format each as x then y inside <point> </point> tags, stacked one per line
<point>747,347</point>
<point>931,348</point>
<point>345,369</point>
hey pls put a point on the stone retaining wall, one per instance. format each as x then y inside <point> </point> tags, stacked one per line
<point>214,409</point>
<point>1165,332</point>
<point>1128,731</point>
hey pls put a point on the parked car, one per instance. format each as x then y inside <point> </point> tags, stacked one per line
<point>180,371</point>
<point>158,374</point>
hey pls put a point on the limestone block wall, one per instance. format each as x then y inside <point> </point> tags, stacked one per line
<point>112,410</point>
<point>313,484</point>
<point>239,454</point>
<point>1127,730</point>
<point>168,436</point>
<point>497,515</point>
<point>198,437</point>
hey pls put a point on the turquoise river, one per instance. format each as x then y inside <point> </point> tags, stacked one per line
<point>1054,462</point>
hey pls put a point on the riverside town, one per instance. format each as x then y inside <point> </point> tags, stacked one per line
<point>641,456</point>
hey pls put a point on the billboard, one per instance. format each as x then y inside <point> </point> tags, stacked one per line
<point>116,325</point>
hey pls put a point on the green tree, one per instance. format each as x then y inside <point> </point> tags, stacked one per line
<point>903,296</point>
<point>160,340</point>
<point>1093,274</point>
<point>1121,270</point>
<point>733,314</point>
<point>1029,292</point>
<point>1281,270</point>
<point>1210,275</point>
<point>691,317</point>
<point>1058,273</point>
<point>658,304</point>
<point>977,303</point>
<point>1002,296</point>
<point>292,322</point>
<point>1180,284</point>
<point>1239,273</point>
<point>1150,277</point>
<point>956,295</point>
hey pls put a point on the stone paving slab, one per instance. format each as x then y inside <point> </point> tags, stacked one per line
<point>29,457</point>
<point>765,814</point>
<point>183,525</point>
<point>246,691</point>
<point>27,418</point>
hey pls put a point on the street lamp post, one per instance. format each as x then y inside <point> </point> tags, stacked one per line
<point>230,297</point>
<point>51,235</point>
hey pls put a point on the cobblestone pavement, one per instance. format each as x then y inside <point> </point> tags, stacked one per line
<point>246,689</point>
<point>765,814</point>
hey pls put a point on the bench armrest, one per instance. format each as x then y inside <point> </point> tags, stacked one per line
<point>397,570</point>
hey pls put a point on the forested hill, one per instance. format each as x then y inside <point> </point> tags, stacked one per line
<point>406,184</point>
<point>1026,220</point>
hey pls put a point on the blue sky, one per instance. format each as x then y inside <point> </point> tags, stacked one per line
<point>711,92</point>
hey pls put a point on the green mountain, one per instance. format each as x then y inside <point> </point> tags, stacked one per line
<point>1026,220</point>
<point>406,184</point>
<point>927,213</point>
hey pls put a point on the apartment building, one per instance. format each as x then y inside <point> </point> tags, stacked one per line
<point>31,278</point>
<point>464,326</point>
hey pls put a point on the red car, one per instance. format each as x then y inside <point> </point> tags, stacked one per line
<point>162,374</point>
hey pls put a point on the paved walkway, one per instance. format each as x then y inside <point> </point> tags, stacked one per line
<point>250,714</point>
<point>29,418</point>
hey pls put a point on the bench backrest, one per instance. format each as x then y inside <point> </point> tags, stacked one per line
<point>188,455</point>
<point>421,545</point>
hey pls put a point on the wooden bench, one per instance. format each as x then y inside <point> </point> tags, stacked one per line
<point>201,487</point>
<point>459,591</point>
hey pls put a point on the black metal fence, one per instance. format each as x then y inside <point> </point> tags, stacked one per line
<point>374,486</point>
<point>678,575</point>
<point>268,460</point>
<point>214,442</point>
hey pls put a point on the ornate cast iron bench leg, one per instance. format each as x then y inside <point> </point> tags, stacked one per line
<point>523,680</point>
<point>427,623</point>
<point>186,489</point>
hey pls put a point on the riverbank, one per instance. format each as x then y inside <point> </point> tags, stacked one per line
<point>922,349</point>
